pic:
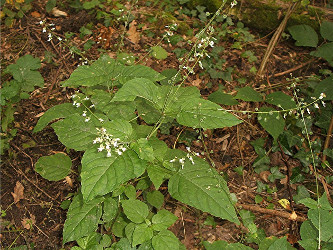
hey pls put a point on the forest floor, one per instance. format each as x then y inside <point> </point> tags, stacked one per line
<point>36,220</point>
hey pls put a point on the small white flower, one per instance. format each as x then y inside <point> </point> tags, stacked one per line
<point>101,148</point>
<point>44,30</point>
<point>108,154</point>
<point>84,113</point>
<point>78,104</point>
<point>100,119</point>
<point>87,119</point>
<point>211,44</point>
<point>316,105</point>
<point>91,106</point>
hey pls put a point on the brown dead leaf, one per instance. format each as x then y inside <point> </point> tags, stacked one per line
<point>293,216</point>
<point>133,35</point>
<point>57,13</point>
<point>69,181</point>
<point>35,14</point>
<point>18,192</point>
<point>196,82</point>
<point>27,223</point>
<point>264,175</point>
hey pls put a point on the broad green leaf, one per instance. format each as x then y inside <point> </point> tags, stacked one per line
<point>54,167</point>
<point>59,111</point>
<point>130,191</point>
<point>172,76</point>
<point>24,72</point>
<point>82,218</point>
<point>271,121</point>
<point>101,175</point>
<point>159,53</point>
<point>281,243</point>
<point>304,35</point>
<point>326,87</point>
<point>147,111</point>
<point>157,175</point>
<point>280,99</point>
<point>165,240</point>
<point>119,128</point>
<point>110,208</point>
<point>139,87</point>
<point>202,187</point>
<point>308,231</point>
<point>138,71</point>
<point>302,193</point>
<point>119,225</point>
<point>155,198</point>
<point>248,94</point>
<point>326,30</point>
<point>89,242</point>
<point>143,149</point>
<point>109,72</point>
<point>135,210</point>
<point>129,229</point>
<point>222,98</point>
<point>101,72</point>
<point>75,133</point>
<point>141,234</point>
<point>122,244</point>
<point>200,113</point>
<point>163,219</point>
<point>325,51</point>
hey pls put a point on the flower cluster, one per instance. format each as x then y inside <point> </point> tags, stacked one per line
<point>183,159</point>
<point>108,143</point>
<point>170,31</point>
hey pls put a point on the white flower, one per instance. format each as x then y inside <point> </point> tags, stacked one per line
<point>101,147</point>
<point>84,113</point>
<point>100,119</point>
<point>44,30</point>
<point>108,154</point>
<point>87,119</point>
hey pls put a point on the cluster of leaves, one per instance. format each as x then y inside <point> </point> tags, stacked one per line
<point>25,78</point>
<point>105,177</point>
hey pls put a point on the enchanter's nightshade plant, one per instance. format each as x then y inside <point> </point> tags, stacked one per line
<point>104,122</point>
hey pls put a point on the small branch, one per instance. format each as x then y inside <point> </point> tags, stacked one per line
<point>294,69</point>
<point>291,216</point>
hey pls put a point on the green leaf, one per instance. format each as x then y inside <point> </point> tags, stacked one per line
<point>325,51</point>
<point>135,210</point>
<point>90,241</point>
<point>222,98</point>
<point>54,167</point>
<point>141,234</point>
<point>302,193</point>
<point>200,113</point>
<point>110,208</point>
<point>143,149</point>
<point>281,243</point>
<point>155,198</point>
<point>275,174</point>
<point>309,235</point>
<point>157,175</point>
<point>118,228</point>
<point>59,111</point>
<point>163,219</point>
<point>159,53</point>
<point>202,187</point>
<point>82,218</point>
<point>248,94</point>
<point>304,35</point>
<point>101,175</point>
<point>109,72</point>
<point>326,87</point>
<point>122,244</point>
<point>165,240</point>
<point>326,30</point>
<point>271,121</point>
<point>89,5</point>
<point>130,192</point>
<point>119,128</point>
<point>280,99</point>
<point>24,71</point>
<point>139,87</point>
<point>75,133</point>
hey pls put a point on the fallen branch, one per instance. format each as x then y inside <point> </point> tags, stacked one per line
<point>291,216</point>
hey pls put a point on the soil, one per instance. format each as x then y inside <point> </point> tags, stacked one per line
<point>36,220</point>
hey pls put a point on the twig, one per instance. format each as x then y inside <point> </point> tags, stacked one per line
<point>291,216</point>
<point>294,69</point>
<point>55,80</point>
<point>275,39</point>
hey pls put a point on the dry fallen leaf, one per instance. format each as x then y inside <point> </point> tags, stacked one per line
<point>56,12</point>
<point>18,192</point>
<point>27,223</point>
<point>133,35</point>
<point>35,14</point>
<point>69,181</point>
<point>293,216</point>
